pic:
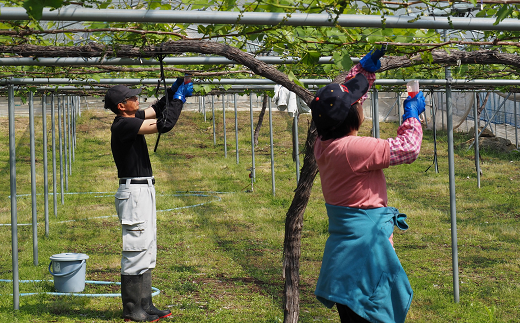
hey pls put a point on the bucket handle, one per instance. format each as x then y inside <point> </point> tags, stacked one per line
<point>70,272</point>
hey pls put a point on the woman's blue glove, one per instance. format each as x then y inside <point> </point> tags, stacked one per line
<point>178,82</point>
<point>413,107</point>
<point>371,61</point>
<point>184,91</point>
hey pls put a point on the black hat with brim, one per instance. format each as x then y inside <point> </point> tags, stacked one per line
<point>332,103</point>
<point>118,94</point>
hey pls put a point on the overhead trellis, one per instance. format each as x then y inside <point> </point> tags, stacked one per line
<point>418,50</point>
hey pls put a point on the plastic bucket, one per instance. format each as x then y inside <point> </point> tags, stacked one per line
<point>68,270</point>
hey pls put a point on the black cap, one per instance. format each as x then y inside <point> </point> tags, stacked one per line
<point>118,94</point>
<point>332,103</point>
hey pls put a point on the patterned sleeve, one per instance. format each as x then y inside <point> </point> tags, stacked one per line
<point>405,148</point>
<point>371,77</point>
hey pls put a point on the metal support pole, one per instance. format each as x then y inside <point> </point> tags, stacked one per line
<point>477,160</point>
<point>453,208</point>
<point>236,126</point>
<point>399,109</point>
<point>213,114</point>
<point>73,129</point>
<point>516,124</point>
<point>45,166</point>
<point>69,134</point>
<point>54,177</point>
<point>272,152</point>
<point>14,215</point>
<point>33,180</point>
<point>375,114</point>
<point>224,123</point>
<point>442,113</point>
<point>252,141</point>
<point>60,109</point>
<point>434,125</point>
<point>65,141</point>
<point>203,107</point>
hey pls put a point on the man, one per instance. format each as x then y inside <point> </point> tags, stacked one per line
<point>135,198</point>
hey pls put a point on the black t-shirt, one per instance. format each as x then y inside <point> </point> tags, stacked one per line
<point>129,149</point>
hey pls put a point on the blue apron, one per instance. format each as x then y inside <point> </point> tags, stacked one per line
<point>360,268</point>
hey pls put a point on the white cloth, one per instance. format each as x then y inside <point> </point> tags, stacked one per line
<point>287,100</point>
<point>135,206</point>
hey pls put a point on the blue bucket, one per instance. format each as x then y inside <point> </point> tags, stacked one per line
<point>68,270</point>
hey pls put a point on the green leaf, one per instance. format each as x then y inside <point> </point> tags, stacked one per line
<point>311,58</point>
<point>96,77</point>
<point>35,7</point>
<point>503,13</point>
<point>427,57</point>
<point>294,79</point>
<point>342,60</point>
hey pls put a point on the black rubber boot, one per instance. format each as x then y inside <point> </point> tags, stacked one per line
<point>131,286</point>
<point>146,297</point>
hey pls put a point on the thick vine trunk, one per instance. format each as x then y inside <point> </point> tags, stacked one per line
<point>293,229</point>
<point>260,118</point>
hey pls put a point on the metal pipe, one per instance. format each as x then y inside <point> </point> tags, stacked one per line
<point>33,179</point>
<point>453,208</point>
<point>14,214</point>
<point>65,142</point>
<point>224,123</point>
<point>259,81</point>
<point>45,166</point>
<point>516,124</point>
<point>252,141</point>
<point>213,114</point>
<point>262,18</point>
<point>54,176</point>
<point>475,128</point>
<point>236,125</point>
<point>69,134</point>
<point>271,147</point>
<point>375,113</point>
<point>60,100</point>
<point>73,127</point>
<point>434,125</point>
<point>202,98</point>
<point>399,108</point>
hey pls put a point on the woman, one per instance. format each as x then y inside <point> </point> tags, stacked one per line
<point>360,271</point>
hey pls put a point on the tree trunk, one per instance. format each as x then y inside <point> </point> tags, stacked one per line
<point>293,229</point>
<point>261,118</point>
<point>480,108</point>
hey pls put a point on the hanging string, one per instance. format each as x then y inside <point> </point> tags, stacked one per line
<point>163,79</point>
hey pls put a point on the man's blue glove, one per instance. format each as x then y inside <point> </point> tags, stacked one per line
<point>371,61</point>
<point>413,107</point>
<point>184,91</point>
<point>178,82</point>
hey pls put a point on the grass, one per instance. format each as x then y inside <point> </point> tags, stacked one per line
<point>221,261</point>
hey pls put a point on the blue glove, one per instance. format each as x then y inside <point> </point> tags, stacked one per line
<point>178,82</point>
<point>184,91</point>
<point>371,61</point>
<point>413,107</point>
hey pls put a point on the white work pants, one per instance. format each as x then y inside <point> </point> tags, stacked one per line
<point>135,206</point>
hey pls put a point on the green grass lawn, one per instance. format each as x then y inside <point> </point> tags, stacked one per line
<point>221,261</point>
